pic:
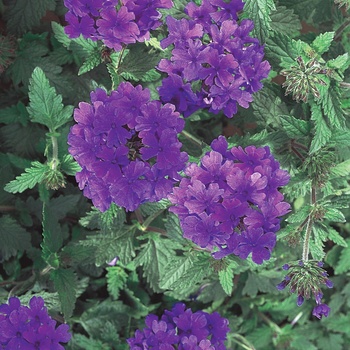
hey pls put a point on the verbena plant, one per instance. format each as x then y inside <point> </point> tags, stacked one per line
<point>175,174</point>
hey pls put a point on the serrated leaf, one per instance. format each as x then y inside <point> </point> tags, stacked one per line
<point>285,21</point>
<point>334,236</point>
<point>139,60</point>
<point>14,114</point>
<point>334,215</point>
<point>45,105</point>
<point>111,243</point>
<point>69,166</point>
<point>331,341</point>
<point>268,107</point>
<point>154,257</point>
<point>175,270</point>
<point>116,280</point>
<point>322,42</point>
<point>13,238</point>
<point>264,282</point>
<point>27,180</point>
<point>343,264</point>
<point>91,62</point>
<point>322,132</point>
<point>64,282</point>
<point>341,62</point>
<point>226,279</point>
<point>330,101</point>
<point>259,11</point>
<point>81,342</point>
<point>295,128</point>
<point>281,50</point>
<point>23,15</point>
<point>60,35</point>
<point>148,209</point>
<point>75,253</point>
<point>341,169</point>
<point>300,215</point>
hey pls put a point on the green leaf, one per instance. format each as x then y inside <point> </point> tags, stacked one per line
<point>334,215</point>
<point>341,169</point>
<point>322,132</point>
<point>268,107</point>
<point>111,243</point>
<point>154,257</point>
<point>285,21</point>
<point>45,105</point>
<point>300,215</point>
<point>322,42</point>
<point>281,50</point>
<point>341,62</point>
<point>295,128</point>
<point>226,279</point>
<point>331,341</point>
<point>14,114</point>
<point>52,236</point>
<point>139,60</point>
<point>64,282</point>
<point>259,11</point>
<point>27,180</point>
<point>330,101</point>
<point>175,269</point>
<point>265,282</point>
<point>116,280</point>
<point>23,15</point>
<point>81,342</point>
<point>13,238</point>
<point>334,236</point>
<point>69,166</point>
<point>343,264</point>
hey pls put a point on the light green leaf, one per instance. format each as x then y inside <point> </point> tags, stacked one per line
<point>92,61</point>
<point>322,42</point>
<point>226,279</point>
<point>260,11</point>
<point>45,105</point>
<point>295,128</point>
<point>13,237</point>
<point>341,62</point>
<point>341,169</point>
<point>265,282</point>
<point>69,166</point>
<point>64,282</point>
<point>27,180</point>
<point>334,236</point>
<point>334,215</point>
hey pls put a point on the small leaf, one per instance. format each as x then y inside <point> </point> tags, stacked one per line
<point>334,215</point>
<point>341,169</point>
<point>27,180</point>
<point>322,42</point>
<point>116,280</point>
<point>64,282</point>
<point>343,264</point>
<point>226,279</point>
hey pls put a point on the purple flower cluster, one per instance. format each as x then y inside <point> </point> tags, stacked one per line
<point>30,328</point>
<point>215,64</point>
<point>113,24</point>
<point>182,329</point>
<point>127,147</point>
<point>305,278</point>
<point>231,201</point>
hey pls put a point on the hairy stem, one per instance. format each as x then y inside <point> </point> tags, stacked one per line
<point>54,162</point>
<point>306,245</point>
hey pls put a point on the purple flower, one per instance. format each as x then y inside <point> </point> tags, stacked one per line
<point>224,202</point>
<point>181,328</point>
<point>127,147</point>
<point>31,327</point>
<point>321,310</point>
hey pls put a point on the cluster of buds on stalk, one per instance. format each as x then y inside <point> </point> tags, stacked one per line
<point>305,278</point>
<point>303,79</point>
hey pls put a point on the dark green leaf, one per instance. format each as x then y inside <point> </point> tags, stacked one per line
<point>23,15</point>
<point>13,238</point>
<point>27,180</point>
<point>322,132</point>
<point>285,21</point>
<point>116,280</point>
<point>265,282</point>
<point>295,128</point>
<point>343,264</point>
<point>14,114</point>
<point>64,282</point>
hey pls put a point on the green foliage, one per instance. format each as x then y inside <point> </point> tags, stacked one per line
<point>45,105</point>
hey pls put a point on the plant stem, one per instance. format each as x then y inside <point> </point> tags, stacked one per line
<point>54,162</point>
<point>192,138</point>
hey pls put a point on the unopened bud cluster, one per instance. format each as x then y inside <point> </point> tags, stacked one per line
<point>305,278</point>
<point>303,79</point>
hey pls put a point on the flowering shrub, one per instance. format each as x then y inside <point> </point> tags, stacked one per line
<point>23,327</point>
<point>159,157</point>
